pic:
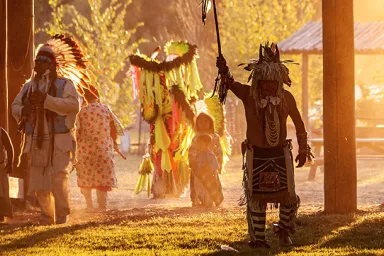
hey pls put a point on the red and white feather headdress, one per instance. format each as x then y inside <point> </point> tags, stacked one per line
<point>69,59</point>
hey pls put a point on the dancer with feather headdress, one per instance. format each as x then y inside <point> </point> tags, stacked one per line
<point>268,172</point>
<point>46,109</point>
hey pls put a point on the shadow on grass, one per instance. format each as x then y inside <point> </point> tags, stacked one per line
<point>114,217</point>
<point>38,237</point>
<point>310,229</point>
<point>367,233</point>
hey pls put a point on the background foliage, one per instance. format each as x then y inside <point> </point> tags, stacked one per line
<point>244,24</point>
<point>247,23</point>
<point>107,44</point>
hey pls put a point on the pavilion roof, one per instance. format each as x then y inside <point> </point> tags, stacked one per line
<point>369,39</point>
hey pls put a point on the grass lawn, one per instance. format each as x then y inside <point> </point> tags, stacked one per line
<point>183,231</point>
<point>136,225</point>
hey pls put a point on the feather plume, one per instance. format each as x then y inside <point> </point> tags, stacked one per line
<point>206,6</point>
<point>155,52</point>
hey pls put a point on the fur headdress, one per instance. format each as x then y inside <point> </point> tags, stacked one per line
<point>268,67</point>
<point>69,59</point>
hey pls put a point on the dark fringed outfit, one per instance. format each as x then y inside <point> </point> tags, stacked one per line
<point>268,178</point>
<point>268,167</point>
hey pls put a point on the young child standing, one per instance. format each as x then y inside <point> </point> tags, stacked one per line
<point>6,166</point>
<point>95,137</point>
<point>204,173</point>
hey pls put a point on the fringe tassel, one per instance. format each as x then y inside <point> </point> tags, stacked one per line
<point>145,169</point>
<point>146,166</point>
<point>310,155</point>
<point>242,200</point>
<point>245,198</point>
<point>222,83</point>
<point>144,182</point>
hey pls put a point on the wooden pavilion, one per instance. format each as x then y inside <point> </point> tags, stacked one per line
<point>368,40</point>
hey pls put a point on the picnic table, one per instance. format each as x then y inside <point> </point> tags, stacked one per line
<point>375,144</point>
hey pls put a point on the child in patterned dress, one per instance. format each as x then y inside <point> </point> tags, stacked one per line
<point>204,169</point>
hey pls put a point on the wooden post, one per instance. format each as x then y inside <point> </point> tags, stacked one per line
<point>304,92</point>
<point>20,60</point>
<point>3,65</point>
<point>340,179</point>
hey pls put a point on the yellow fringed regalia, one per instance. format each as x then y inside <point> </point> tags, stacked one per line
<point>168,91</point>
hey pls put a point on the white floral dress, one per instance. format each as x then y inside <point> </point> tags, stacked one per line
<point>95,164</point>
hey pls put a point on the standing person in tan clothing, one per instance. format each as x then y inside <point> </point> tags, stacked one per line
<point>46,109</point>
<point>6,166</point>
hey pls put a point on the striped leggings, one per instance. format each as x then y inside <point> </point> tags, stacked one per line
<point>257,218</point>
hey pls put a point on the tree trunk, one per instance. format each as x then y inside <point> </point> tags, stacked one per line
<point>340,181</point>
<point>20,60</point>
<point>3,66</point>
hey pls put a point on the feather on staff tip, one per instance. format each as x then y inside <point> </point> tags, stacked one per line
<point>206,6</point>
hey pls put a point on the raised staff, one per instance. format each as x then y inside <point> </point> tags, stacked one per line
<point>222,81</point>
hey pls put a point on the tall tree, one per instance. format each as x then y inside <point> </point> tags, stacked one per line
<point>247,23</point>
<point>107,44</point>
<point>3,64</point>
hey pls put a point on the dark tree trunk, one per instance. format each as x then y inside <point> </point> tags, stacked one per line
<point>3,68</point>
<point>20,61</point>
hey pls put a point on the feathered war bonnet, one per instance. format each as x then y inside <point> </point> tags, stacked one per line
<point>67,56</point>
<point>268,67</point>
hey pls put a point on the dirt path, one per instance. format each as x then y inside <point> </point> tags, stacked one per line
<point>370,187</point>
<point>124,201</point>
